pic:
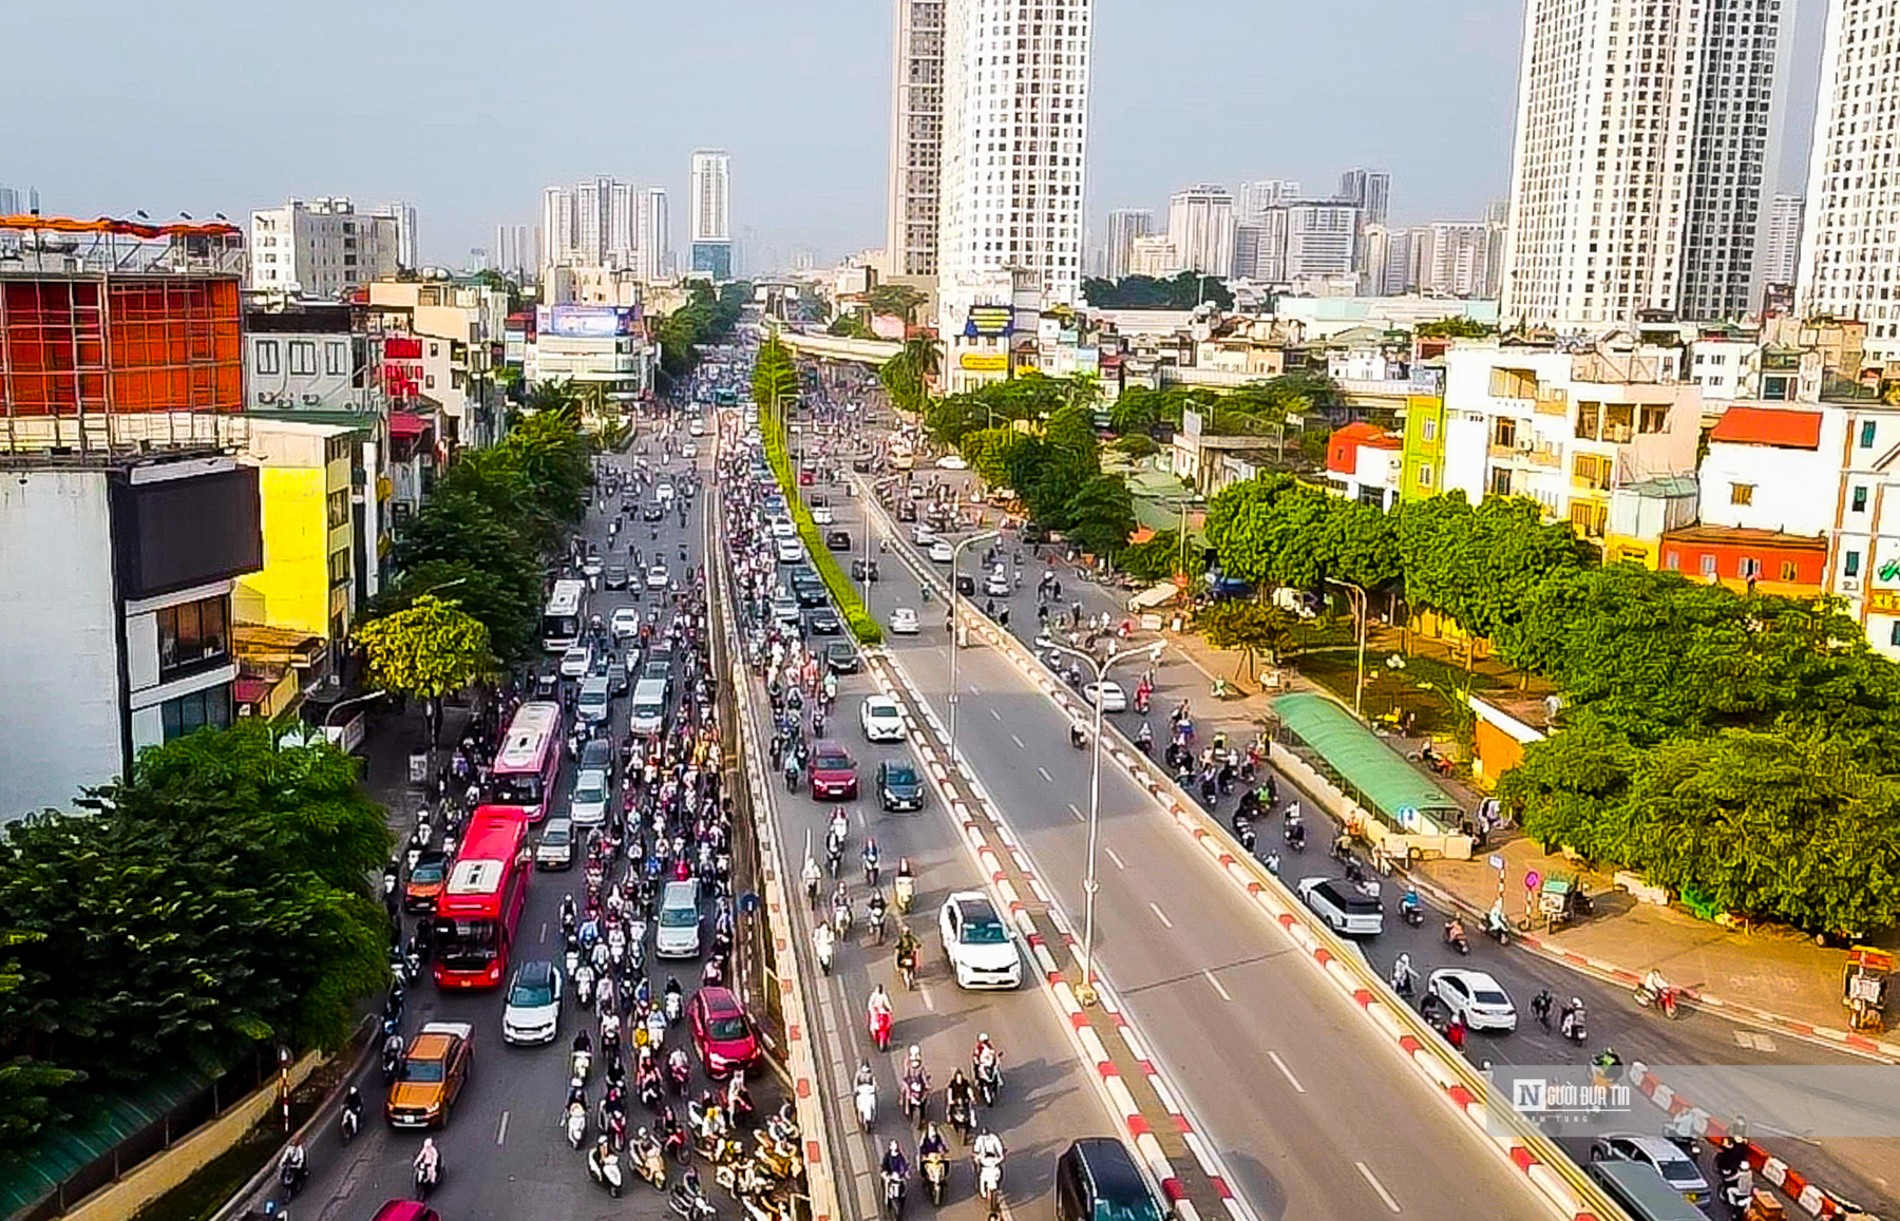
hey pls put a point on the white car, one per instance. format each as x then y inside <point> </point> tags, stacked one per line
<point>1676,1168</point>
<point>1347,910</point>
<point>697,428</point>
<point>881,719</point>
<point>953,462</point>
<point>981,951</point>
<point>532,1013</point>
<point>821,515</point>
<point>625,623</point>
<point>903,622</point>
<point>591,566</point>
<point>663,493</point>
<point>1111,695</point>
<point>587,804</point>
<point>790,551</point>
<point>689,451</point>
<point>656,577</point>
<point>997,585</point>
<point>782,527</point>
<point>922,535</point>
<point>942,552</point>
<point>576,660</point>
<point>1473,997</point>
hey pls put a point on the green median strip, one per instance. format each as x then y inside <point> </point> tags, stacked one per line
<point>850,605</point>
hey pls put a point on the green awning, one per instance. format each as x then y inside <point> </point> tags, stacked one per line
<point>1385,781</point>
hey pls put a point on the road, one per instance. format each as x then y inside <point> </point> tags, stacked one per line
<point>1313,1115</point>
<point>1858,1168</point>
<point>503,1152</point>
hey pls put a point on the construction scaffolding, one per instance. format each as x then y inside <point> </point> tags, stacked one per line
<point>117,335</point>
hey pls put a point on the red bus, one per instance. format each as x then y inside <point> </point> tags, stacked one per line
<point>482,899</point>
<point>529,760</point>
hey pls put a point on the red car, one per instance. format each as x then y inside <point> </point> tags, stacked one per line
<point>834,773</point>
<point>721,1034</point>
<point>406,1210</point>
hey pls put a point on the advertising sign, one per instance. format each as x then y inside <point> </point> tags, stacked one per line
<point>585,321</point>
<point>989,321</point>
<point>985,362</point>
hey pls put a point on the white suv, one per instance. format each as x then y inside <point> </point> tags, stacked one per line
<point>882,720</point>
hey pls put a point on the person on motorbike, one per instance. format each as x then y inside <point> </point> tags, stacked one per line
<point>875,907</point>
<point>1655,984</point>
<point>987,1151</point>
<point>1454,932</point>
<point>1144,738</point>
<point>428,1161</point>
<point>1494,919</point>
<point>1402,975</point>
<point>353,1103</point>
<point>879,1005</point>
<point>933,1143</point>
<point>906,948</point>
<point>823,943</point>
<point>869,858</point>
<point>893,1163</point>
<point>1078,735</point>
<point>294,1166</point>
<point>814,877</point>
<point>960,1090</point>
<point>906,884</point>
<point>984,1056</point>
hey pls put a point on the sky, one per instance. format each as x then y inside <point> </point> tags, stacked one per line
<point>467,108</point>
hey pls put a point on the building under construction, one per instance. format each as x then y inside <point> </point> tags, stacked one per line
<point>117,336</point>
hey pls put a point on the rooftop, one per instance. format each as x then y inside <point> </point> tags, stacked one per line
<point>1779,427</point>
<point>1732,536</point>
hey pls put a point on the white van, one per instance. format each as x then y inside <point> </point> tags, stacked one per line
<point>591,706</point>
<point>649,706</point>
<point>676,935</point>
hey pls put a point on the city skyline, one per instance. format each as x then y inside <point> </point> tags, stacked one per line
<point>1149,135</point>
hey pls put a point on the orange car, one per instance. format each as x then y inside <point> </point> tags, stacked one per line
<point>434,1070</point>
<point>425,882</point>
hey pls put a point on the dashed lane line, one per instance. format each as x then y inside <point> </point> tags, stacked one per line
<point>1377,1186</point>
<point>1160,915</point>
<point>1212,979</point>
<point>1286,1072</point>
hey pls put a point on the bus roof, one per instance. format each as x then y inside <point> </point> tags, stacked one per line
<point>494,840</point>
<point>532,731</point>
<point>567,597</point>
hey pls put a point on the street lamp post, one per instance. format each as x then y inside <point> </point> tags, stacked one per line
<point>956,632</point>
<point>1359,685</point>
<point>1085,992</point>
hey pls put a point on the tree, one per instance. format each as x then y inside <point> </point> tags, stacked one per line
<point>1185,290</point>
<point>907,375</point>
<point>1154,559</point>
<point>774,376</point>
<point>1454,327</point>
<point>899,300</point>
<point>1101,516</point>
<point>1136,445</point>
<point>850,326</point>
<point>429,649</point>
<point>1252,627</point>
<point>29,1089</point>
<point>988,452</point>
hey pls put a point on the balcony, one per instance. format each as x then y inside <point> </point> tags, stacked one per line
<point>1533,455</point>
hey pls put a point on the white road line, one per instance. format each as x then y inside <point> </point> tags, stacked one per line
<point>501,1133</point>
<point>973,689</point>
<point>1217,985</point>
<point>1079,816</point>
<point>996,714</point>
<point>1119,865</point>
<point>1286,1072</point>
<point>544,932</point>
<point>1159,914</point>
<point>1378,1187</point>
<point>1018,741</point>
<point>1046,775</point>
<point>929,1003</point>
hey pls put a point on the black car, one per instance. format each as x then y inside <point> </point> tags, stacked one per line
<point>615,576</point>
<point>808,595</point>
<point>841,657</point>
<point>823,621</point>
<point>654,511</point>
<point>860,567</point>
<point>1096,1177</point>
<point>898,786</point>
<point>861,464</point>
<point>966,585</point>
<point>837,540</point>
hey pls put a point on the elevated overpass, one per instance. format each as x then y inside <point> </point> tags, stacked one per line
<point>820,346</point>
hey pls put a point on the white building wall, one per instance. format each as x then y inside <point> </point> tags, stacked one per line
<point>712,195</point>
<point>1201,226</point>
<point>910,240</point>
<point>1789,490</point>
<point>323,248</point>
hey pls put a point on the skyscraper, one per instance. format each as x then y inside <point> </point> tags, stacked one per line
<point>593,220</point>
<point>1636,178</point>
<point>1256,197</point>
<point>1368,190</point>
<point>654,236</point>
<point>1781,246</point>
<point>712,212</point>
<point>1201,226</point>
<point>910,241</point>
<point>1848,263</point>
<point>1124,226</point>
<point>557,226</point>
<point>1016,81</point>
<point>404,214</point>
<point>1322,239</point>
<point>620,224</point>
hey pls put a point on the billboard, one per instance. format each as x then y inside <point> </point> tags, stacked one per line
<point>985,362</point>
<point>585,321</point>
<point>989,321</point>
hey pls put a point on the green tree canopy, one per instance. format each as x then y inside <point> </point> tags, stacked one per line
<point>1101,515</point>
<point>900,300</point>
<point>429,649</point>
<point>1182,291</point>
<point>1454,327</point>
<point>1252,627</point>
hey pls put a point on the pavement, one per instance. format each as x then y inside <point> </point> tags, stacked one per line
<point>1600,969</point>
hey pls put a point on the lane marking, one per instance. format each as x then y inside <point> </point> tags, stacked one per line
<point>996,714</point>
<point>544,932</point>
<point>1079,816</point>
<point>1217,985</point>
<point>1018,741</point>
<point>929,1002</point>
<point>1378,1187</point>
<point>501,1133</point>
<point>1045,775</point>
<point>1159,914</point>
<point>1119,865</point>
<point>1286,1072</point>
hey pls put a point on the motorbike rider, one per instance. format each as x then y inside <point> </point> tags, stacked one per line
<point>1494,919</point>
<point>869,857</point>
<point>1454,932</point>
<point>814,877</point>
<point>1409,902</point>
<point>986,1151</point>
<point>875,907</point>
<point>822,944</point>
<point>933,1143</point>
<point>879,1005</point>
<point>294,1166</point>
<point>960,1090</point>
<point>1655,984</point>
<point>353,1104</point>
<point>984,1056</point>
<point>1078,735</point>
<point>1540,1006</point>
<point>906,948</point>
<point>1402,975</point>
<point>893,1163</point>
<point>428,1161</point>
<point>1144,738</point>
<point>1570,1016</point>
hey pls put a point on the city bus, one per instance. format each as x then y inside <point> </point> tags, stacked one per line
<point>529,761</point>
<point>562,621</point>
<point>476,913</point>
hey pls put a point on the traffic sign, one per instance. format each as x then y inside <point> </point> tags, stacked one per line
<point>1532,878</point>
<point>1497,862</point>
<point>749,903</point>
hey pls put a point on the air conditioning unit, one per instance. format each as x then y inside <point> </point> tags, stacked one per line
<point>310,400</point>
<point>263,396</point>
<point>1850,585</point>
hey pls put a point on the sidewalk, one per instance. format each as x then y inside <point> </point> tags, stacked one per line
<point>1790,983</point>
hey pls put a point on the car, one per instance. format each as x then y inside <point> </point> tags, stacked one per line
<point>898,785</point>
<point>555,848</point>
<point>1474,997</point>
<point>425,882</point>
<point>656,577</point>
<point>597,754</point>
<point>809,594</point>
<point>532,1013</point>
<point>696,427</point>
<point>625,622</point>
<point>1111,695</point>
<point>821,515</point>
<point>789,552</point>
<point>921,534</point>
<point>592,565</point>
<point>615,576</point>
<point>676,928</point>
<point>861,464</point>
<point>722,1034</point>
<point>841,657</point>
<point>653,510</point>
<point>881,720</point>
<point>663,492</point>
<point>837,540</point>
<point>689,451</point>
<point>952,462</point>
<point>587,804</point>
<point>1096,1178</point>
<point>823,621</point>
<point>996,585</point>
<point>783,527</point>
<point>818,500</point>
<point>576,661</point>
<point>406,1210</point>
<point>1346,909</point>
<point>834,773</point>
<point>785,608</point>
<point>595,701</point>
<point>942,552</point>
<point>1660,1155</point>
<point>431,1077</point>
<point>978,945</point>
<point>903,621</point>
<point>618,683</point>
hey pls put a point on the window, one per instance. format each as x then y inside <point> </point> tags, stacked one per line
<point>1867,434</point>
<point>267,359</point>
<point>1860,500</point>
<point>336,358</point>
<point>1893,635</point>
<point>1750,568</point>
<point>189,713</point>
<point>191,636</point>
<point>1672,561</point>
<point>339,508</point>
<point>1708,565</point>
<point>1424,476</point>
<point>1741,493</point>
<point>303,357</point>
<point>1853,564</point>
<point>1788,570</point>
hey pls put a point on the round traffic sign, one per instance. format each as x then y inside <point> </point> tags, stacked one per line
<point>1532,878</point>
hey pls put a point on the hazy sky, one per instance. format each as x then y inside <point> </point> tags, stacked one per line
<point>468,108</point>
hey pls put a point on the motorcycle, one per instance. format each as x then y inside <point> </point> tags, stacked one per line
<point>350,1122</point>
<point>576,1124</point>
<point>894,1196</point>
<point>989,1082</point>
<point>1412,910</point>
<point>291,1177</point>
<point>877,925</point>
<point>989,1177</point>
<point>960,1117</point>
<point>907,967</point>
<point>880,1026</point>
<point>827,950</point>
<point>866,1098</point>
<point>426,1179</point>
<point>690,1202</point>
<point>1498,931</point>
<point>650,1161</point>
<point>603,1166</point>
<point>1665,1000</point>
<point>936,1175</point>
<point>579,1065</point>
<point>903,891</point>
<point>1455,938</point>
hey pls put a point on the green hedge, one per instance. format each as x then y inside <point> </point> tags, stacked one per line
<point>850,605</point>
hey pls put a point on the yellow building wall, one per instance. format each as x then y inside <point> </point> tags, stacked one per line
<point>292,589</point>
<point>1627,548</point>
